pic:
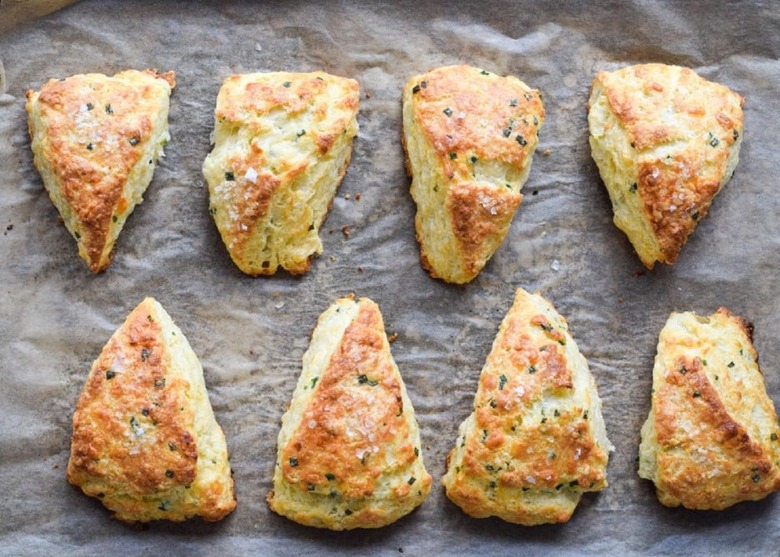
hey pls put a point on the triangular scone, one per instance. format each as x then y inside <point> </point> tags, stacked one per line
<point>536,440</point>
<point>665,141</point>
<point>712,437</point>
<point>96,140</point>
<point>469,137</point>
<point>349,448</point>
<point>282,143</point>
<point>145,440</point>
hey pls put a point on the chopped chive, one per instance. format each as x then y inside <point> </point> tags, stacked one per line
<point>287,84</point>
<point>447,111</point>
<point>363,380</point>
<point>293,461</point>
<point>412,480</point>
<point>110,374</point>
<point>169,473</point>
<point>90,106</point>
<point>330,477</point>
<point>453,156</point>
<point>521,140</point>
<point>513,102</point>
<point>501,382</point>
<point>633,187</point>
<point>416,89</point>
<point>230,177</point>
<point>109,110</point>
<point>134,141</point>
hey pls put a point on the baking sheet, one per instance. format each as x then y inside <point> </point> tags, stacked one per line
<point>251,333</point>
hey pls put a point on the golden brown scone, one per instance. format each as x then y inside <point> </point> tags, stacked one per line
<point>469,137</point>
<point>349,448</point>
<point>145,440</point>
<point>536,440</point>
<point>282,143</point>
<point>96,140</point>
<point>711,439</point>
<point>665,141</point>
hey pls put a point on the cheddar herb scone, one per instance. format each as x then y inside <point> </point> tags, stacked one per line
<point>536,440</point>
<point>145,440</point>
<point>711,439</point>
<point>282,143</point>
<point>349,448</point>
<point>96,140</point>
<point>665,141</point>
<point>469,137</point>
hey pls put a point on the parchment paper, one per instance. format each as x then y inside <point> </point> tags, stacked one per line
<point>250,333</point>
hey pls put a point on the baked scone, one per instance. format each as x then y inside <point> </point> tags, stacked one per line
<point>665,142</point>
<point>711,439</point>
<point>469,137</point>
<point>96,140</point>
<point>536,440</point>
<point>282,143</point>
<point>145,440</point>
<point>349,453</point>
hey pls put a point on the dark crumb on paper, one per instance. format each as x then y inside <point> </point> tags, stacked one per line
<point>392,338</point>
<point>368,94</point>
<point>639,272</point>
<point>357,197</point>
<point>535,192</point>
<point>345,231</point>
<point>620,299</point>
<point>9,227</point>
<point>331,231</point>
<point>400,550</point>
<point>546,152</point>
<point>360,269</point>
<point>55,466</point>
<point>251,352</point>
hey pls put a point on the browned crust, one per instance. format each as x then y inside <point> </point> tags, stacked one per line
<point>128,391</point>
<point>348,398</point>
<point>92,179</point>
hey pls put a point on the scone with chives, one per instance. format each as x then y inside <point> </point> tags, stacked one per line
<point>145,440</point>
<point>665,142</point>
<point>96,141</point>
<point>711,438</point>
<point>349,452</point>
<point>536,440</point>
<point>469,137</point>
<point>282,143</point>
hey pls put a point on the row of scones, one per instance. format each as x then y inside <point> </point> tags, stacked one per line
<point>349,454</point>
<point>665,141</point>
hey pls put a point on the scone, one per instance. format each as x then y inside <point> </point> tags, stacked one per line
<point>96,140</point>
<point>349,448</point>
<point>536,440</point>
<point>469,137</point>
<point>282,143</point>
<point>711,439</point>
<point>665,142</point>
<point>145,440</point>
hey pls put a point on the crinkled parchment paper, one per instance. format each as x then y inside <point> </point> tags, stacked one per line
<point>250,333</point>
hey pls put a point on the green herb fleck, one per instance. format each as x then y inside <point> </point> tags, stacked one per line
<point>633,187</point>
<point>714,141</point>
<point>489,467</point>
<point>521,140</point>
<point>682,370</point>
<point>109,110</point>
<point>114,218</point>
<point>330,477</point>
<point>212,211</point>
<point>447,111</point>
<point>363,380</point>
<point>169,473</point>
<point>163,506</point>
<point>90,146</point>
<point>493,403</point>
<point>532,369</point>
<point>412,480</point>
<point>172,446</point>
<point>483,72</point>
<point>110,374</point>
<point>301,133</point>
<point>696,394</point>
<point>492,484</point>
<point>145,354</point>
<point>287,84</point>
<point>230,177</point>
<point>731,364</point>
<point>159,383</point>
<point>453,156</point>
<point>134,141</point>
<point>736,135</point>
<point>756,477</point>
<point>512,102</point>
<point>90,106</point>
<point>544,420</point>
<point>314,381</point>
<point>293,461</point>
<point>473,159</point>
<point>501,382</point>
<point>424,84</point>
<point>416,451</point>
<point>348,512</point>
<point>556,413</point>
<point>585,415</point>
<point>547,327</point>
<point>415,89</point>
<point>695,216</point>
<point>773,437</point>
